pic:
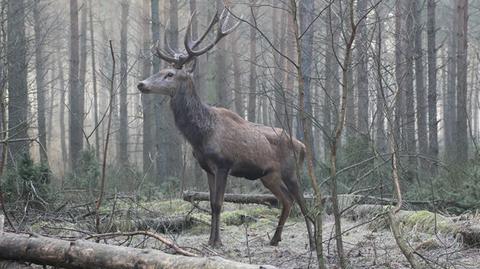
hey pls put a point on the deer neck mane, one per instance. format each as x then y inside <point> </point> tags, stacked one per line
<point>192,117</point>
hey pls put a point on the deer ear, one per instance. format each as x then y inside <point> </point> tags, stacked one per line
<point>190,67</point>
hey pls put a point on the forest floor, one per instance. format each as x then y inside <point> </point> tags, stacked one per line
<point>246,231</point>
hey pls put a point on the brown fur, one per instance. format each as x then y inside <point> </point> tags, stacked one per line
<point>226,144</point>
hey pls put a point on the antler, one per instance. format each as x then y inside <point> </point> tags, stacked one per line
<point>180,59</point>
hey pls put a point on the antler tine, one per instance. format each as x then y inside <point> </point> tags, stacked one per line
<point>225,23</point>
<point>220,34</point>
<point>189,46</point>
<point>163,56</point>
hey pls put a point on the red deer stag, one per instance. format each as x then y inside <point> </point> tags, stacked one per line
<point>223,142</point>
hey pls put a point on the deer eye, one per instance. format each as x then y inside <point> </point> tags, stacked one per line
<point>169,75</point>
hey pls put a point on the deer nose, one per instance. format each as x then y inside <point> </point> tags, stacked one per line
<point>141,86</point>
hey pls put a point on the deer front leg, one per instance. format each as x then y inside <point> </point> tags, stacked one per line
<point>216,201</point>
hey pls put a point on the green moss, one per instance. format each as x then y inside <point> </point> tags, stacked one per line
<point>427,221</point>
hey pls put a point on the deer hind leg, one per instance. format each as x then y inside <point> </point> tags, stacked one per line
<point>294,189</point>
<point>216,184</point>
<point>278,188</point>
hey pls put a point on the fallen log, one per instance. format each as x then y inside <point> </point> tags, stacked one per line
<point>422,220</point>
<point>14,265</point>
<point>161,225</point>
<point>82,254</point>
<point>345,200</point>
<point>262,199</point>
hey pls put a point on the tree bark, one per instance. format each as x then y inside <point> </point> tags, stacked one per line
<point>450,113</point>
<point>252,95</point>
<point>306,15</point>
<point>410,129</point>
<point>237,77</point>
<point>40,73</point>
<point>362,72</point>
<point>63,130</point>
<point>432,84</point>
<point>221,69</point>
<point>148,148</point>
<point>462,65</point>
<point>380,137</point>
<point>17,80</point>
<point>280,38</point>
<point>171,138</point>
<point>94,81</point>
<point>83,254</point>
<point>123,131</point>
<point>420,86</point>
<point>399,74</point>
<point>75,94</point>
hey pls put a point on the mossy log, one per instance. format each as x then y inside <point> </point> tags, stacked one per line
<point>262,199</point>
<point>423,221</point>
<point>161,225</point>
<point>345,200</point>
<point>83,254</point>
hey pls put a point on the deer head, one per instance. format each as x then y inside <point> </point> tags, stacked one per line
<point>183,63</point>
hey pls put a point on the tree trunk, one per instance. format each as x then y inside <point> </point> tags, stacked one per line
<point>450,101</point>
<point>148,149</point>
<point>462,113</point>
<point>17,81</point>
<point>237,77</point>
<point>331,75</point>
<point>75,94</point>
<point>83,254</point>
<point>420,86</point>
<point>399,74</point>
<point>409,91</point>
<point>94,81</point>
<point>171,138</point>
<point>306,14</point>
<point>280,38</point>
<point>63,130</point>
<point>123,132</point>
<point>40,73</point>
<point>221,69</point>
<point>362,72</point>
<point>432,84</point>
<point>252,95</point>
<point>380,137</point>
<point>159,155</point>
